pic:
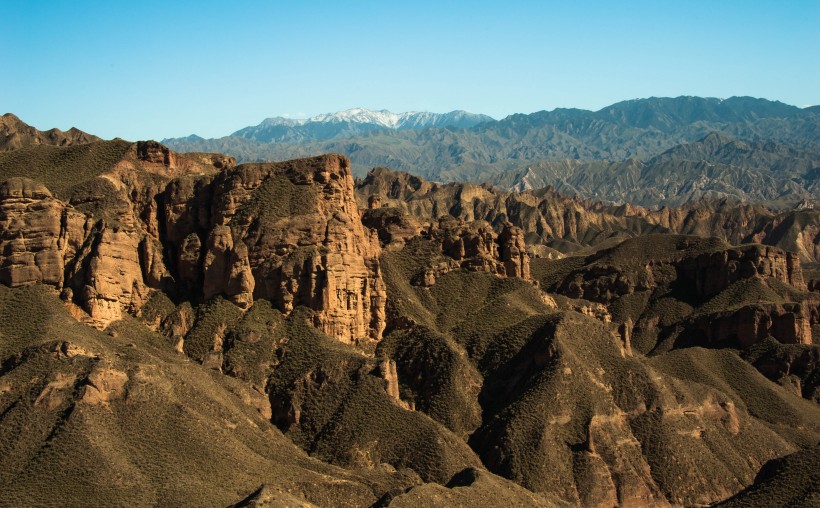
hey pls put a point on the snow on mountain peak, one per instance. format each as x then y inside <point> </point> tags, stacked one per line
<point>383,117</point>
<point>352,122</point>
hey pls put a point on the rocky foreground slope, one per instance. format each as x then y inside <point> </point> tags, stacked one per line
<point>424,345</point>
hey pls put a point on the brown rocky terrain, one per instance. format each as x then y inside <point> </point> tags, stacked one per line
<point>571,225</point>
<point>120,418</point>
<point>678,291</point>
<point>565,378</point>
<point>289,233</point>
<point>100,244</point>
<point>394,342</point>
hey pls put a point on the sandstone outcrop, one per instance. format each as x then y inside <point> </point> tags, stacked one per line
<point>314,252</point>
<point>796,367</point>
<point>104,244</point>
<point>217,160</point>
<point>393,226</point>
<point>37,234</point>
<point>289,232</point>
<point>106,275</point>
<point>692,291</point>
<point>103,385</point>
<point>226,268</point>
<point>557,221</point>
<point>387,371</point>
<point>513,252</point>
<point>605,280</point>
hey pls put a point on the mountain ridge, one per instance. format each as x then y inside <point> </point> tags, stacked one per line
<point>14,133</point>
<point>354,121</point>
<point>715,166</point>
<point>640,129</point>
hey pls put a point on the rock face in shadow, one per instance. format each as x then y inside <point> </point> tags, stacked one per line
<point>790,323</point>
<point>714,272</point>
<point>715,295</point>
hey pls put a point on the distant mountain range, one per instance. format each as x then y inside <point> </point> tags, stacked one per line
<point>353,122</point>
<point>628,135</point>
<point>716,166</point>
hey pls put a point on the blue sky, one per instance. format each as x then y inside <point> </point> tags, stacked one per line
<point>162,69</point>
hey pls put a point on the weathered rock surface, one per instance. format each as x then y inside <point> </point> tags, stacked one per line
<point>605,279</point>
<point>105,243</point>
<point>555,220</point>
<point>513,252</point>
<point>106,275</point>
<point>314,252</point>
<point>290,233</point>
<point>714,272</point>
<point>38,233</point>
<point>393,225</point>
<point>795,367</point>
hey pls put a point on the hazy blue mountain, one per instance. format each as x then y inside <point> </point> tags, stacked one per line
<point>716,166</point>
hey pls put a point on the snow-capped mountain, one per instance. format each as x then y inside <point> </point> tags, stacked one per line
<point>354,122</point>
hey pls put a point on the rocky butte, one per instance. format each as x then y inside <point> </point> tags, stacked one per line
<point>290,233</point>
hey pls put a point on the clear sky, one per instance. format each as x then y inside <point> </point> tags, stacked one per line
<point>143,70</point>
